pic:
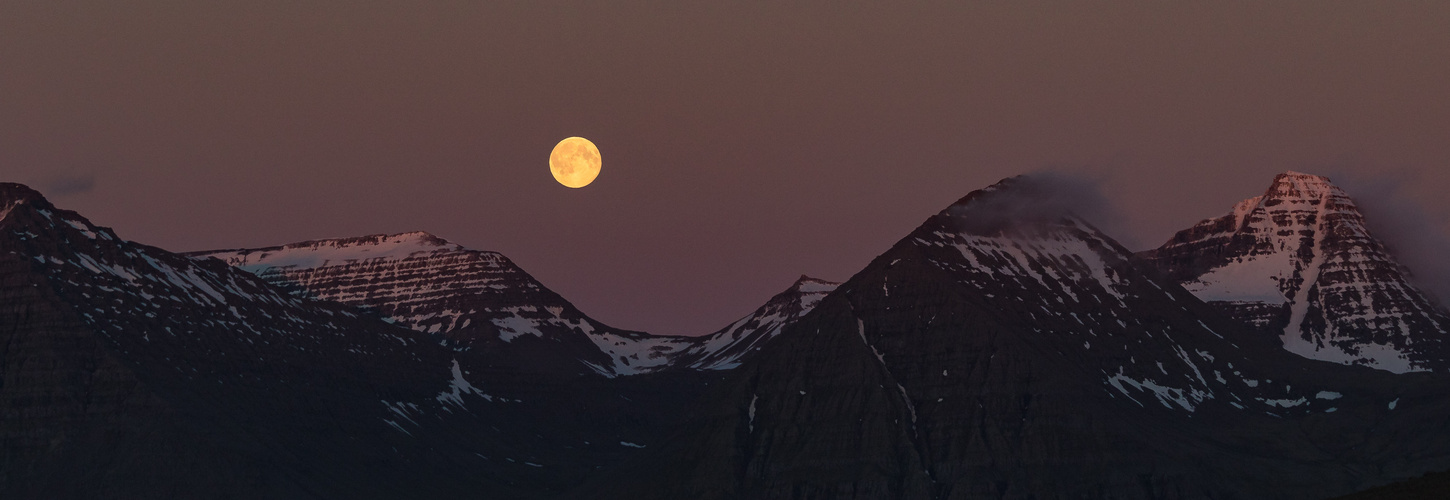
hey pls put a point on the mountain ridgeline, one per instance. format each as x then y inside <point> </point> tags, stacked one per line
<point>481,304</point>
<point>1006,348</point>
<point>983,357</point>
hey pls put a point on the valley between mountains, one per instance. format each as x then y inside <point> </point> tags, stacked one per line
<point>999,350</point>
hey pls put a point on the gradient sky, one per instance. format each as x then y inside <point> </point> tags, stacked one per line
<point>744,143</point>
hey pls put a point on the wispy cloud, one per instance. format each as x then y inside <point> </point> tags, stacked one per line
<point>1414,235</point>
<point>1044,197</point>
<point>69,184</point>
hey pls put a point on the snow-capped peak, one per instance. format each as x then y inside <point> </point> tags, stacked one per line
<point>808,291</point>
<point>1299,262</point>
<point>727,348</point>
<point>807,284</point>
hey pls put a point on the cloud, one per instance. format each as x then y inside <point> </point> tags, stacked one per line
<point>1041,198</point>
<point>1414,235</point>
<point>69,184</point>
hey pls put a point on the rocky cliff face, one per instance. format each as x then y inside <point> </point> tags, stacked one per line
<point>1299,263</point>
<point>473,301</point>
<point>999,354</point>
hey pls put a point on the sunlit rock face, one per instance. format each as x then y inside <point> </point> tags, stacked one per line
<point>482,304</point>
<point>1002,351</point>
<point>1299,263</point>
<point>133,372</point>
<point>127,371</point>
<point>468,299</point>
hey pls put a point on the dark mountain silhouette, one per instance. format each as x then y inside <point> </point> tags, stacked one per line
<point>1002,353</point>
<point>132,372</point>
<point>1006,348</point>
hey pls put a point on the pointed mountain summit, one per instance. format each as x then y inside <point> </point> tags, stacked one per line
<point>1298,263</point>
<point>1008,349</point>
<point>727,348</point>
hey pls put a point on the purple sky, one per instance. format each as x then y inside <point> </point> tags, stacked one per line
<point>744,143</point>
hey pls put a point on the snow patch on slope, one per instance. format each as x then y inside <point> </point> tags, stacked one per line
<point>1255,278</point>
<point>724,349</point>
<point>634,355</point>
<point>458,387</point>
<point>1163,393</point>
<point>1303,248</point>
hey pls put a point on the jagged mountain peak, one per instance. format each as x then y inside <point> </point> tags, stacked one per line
<point>811,288</point>
<point>13,195</point>
<point>1293,200</point>
<point>728,347</point>
<point>1300,263</point>
<point>1299,184</point>
<point>30,215</point>
<point>807,283</point>
<point>1303,178</point>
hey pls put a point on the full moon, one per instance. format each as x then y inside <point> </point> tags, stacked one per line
<point>575,162</point>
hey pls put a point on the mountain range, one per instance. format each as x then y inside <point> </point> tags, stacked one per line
<point>1000,350</point>
<point>1299,263</point>
<point>480,302</point>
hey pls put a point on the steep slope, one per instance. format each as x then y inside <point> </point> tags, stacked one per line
<point>728,347</point>
<point>1000,352</point>
<point>474,300</point>
<point>1299,263</point>
<point>130,372</point>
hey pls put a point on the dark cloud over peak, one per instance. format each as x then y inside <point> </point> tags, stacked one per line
<point>1037,199</point>
<point>1413,234</point>
<point>68,184</point>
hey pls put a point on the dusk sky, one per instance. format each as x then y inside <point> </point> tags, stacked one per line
<point>743,143</point>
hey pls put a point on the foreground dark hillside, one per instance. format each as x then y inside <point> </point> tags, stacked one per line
<point>1434,486</point>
